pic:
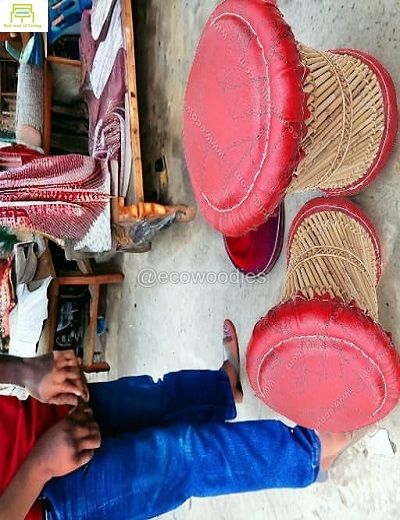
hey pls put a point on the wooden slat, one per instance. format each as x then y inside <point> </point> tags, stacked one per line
<point>95,279</point>
<point>90,345</point>
<point>127,21</point>
<point>48,336</point>
<point>50,327</point>
<point>97,367</point>
<point>48,98</point>
<point>63,61</point>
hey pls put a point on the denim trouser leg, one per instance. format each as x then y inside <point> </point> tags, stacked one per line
<point>141,475</point>
<point>132,403</point>
<point>183,449</point>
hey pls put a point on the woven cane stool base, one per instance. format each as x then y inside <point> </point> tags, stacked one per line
<point>321,358</point>
<point>265,114</point>
<point>333,249</point>
<point>346,124</point>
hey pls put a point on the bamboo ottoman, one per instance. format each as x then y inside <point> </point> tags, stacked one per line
<point>320,357</point>
<point>265,116</point>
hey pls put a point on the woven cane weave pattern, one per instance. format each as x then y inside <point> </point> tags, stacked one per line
<point>332,253</point>
<point>346,125</point>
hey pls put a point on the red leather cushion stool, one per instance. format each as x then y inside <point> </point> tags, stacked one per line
<point>265,115</point>
<point>320,357</point>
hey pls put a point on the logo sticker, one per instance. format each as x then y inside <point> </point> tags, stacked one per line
<point>20,16</point>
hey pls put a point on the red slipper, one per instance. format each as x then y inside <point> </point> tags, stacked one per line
<point>257,252</point>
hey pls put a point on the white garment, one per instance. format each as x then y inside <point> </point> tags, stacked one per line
<point>26,319</point>
<point>98,239</point>
<point>100,11</point>
<point>107,52</point>
<point>14,391</point>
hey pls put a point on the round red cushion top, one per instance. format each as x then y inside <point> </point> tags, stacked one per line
<point>324,365</point>
<point>244,115</point>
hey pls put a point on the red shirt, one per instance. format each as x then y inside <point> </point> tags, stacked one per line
<point>21,424</point>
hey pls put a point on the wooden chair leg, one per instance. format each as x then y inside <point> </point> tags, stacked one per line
<point>94,368</point>
<point>90,345</point>
<point>48,99</point>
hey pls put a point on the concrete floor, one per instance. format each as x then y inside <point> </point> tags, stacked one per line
<point>172,326</point>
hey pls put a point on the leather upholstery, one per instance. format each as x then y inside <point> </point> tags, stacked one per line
<point>324,364</point>
<point>257,252</point>
<point>244,115</point>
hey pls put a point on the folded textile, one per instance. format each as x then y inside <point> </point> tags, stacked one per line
<point>101,10</point>
<point>113,95</point>
<point>107,113</point>
<point>17,155</point>
<point>110,142</point>
<point>7,299</point>
<point>26,261</point>
<point>61,197</point>
<point>106,53</point>
<point>26,319</point>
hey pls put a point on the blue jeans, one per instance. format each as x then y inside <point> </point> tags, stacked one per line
<point>165,442</point>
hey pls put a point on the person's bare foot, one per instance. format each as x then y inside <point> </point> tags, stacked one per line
<point>231,363</point>
<point>332,445</point>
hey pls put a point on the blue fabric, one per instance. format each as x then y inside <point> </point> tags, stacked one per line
<point>33,52</point>
<point>72,12</point>
<point>167,441</point>
<point>133,403</point>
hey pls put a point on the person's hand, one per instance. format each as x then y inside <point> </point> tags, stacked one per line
<point>69,444</point>
<point>56,378</point>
